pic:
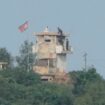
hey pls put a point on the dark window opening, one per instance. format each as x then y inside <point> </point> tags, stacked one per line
<point>47,40</point>
<point>43,62</point>
<point>44,79</point>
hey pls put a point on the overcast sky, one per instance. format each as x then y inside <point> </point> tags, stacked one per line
<point>83,19</point>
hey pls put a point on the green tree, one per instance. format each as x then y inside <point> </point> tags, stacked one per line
<point>20,76</point>
<point>26,58</point>
<point>19,87</point>
<point>81,78</point>
<point>94,94</point>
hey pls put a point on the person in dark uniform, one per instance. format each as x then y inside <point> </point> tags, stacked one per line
<point>60,31</point>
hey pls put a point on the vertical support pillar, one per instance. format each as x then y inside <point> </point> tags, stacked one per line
<point>48,66</point>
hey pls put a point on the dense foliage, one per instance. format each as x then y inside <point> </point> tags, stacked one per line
<point>19,87</point>
<point>89,87</point>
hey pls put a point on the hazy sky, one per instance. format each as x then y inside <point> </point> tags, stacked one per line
<point>83,19</point>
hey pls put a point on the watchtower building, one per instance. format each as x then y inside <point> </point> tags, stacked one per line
<point>51,50</point>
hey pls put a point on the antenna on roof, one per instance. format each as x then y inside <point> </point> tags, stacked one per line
<point>46,29</point>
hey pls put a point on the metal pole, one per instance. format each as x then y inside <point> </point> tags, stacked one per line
<point>28,53</point>
<point>85,61</point>
<point>28,69</point>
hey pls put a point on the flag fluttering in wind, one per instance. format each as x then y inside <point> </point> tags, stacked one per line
<point>23,27</point>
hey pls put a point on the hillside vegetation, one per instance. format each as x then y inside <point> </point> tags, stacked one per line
<point>19,87</point>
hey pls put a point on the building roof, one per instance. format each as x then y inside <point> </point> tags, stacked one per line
<point>51,34</point>
<point>1,63</point>
<point>47,32</point>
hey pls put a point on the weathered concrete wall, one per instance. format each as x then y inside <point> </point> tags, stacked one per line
<point>40,69</point>
<point>61,62</point>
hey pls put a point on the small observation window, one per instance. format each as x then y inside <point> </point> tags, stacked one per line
<point>47,39</point>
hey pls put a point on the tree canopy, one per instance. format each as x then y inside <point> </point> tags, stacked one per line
<point>19,87</point>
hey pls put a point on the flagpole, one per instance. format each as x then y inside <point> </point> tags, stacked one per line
<point>28,49</point>
<point>27,38</point>
<point>28,56</point>
<point>23,28</point>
